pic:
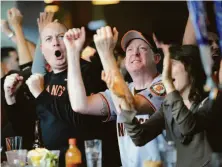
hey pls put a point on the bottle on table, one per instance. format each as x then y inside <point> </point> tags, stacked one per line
<point>37,139</point>
<point>73,155</point>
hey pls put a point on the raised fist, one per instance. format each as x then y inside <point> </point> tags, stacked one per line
<point>105,39</point>
<point>35,84</point>
<point>11,85</point>
<point>44,19</point>
<point>74,39</point>
<point>14,17</point>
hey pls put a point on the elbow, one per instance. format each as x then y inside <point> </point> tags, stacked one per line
<point>186,131</point>
<point>79,109</point>
<point>139,143</point>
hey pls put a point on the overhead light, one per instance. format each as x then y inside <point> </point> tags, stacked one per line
<point>48,1</point>
<point>52,8</point>
<point>96,24</point>
<point>105,2</point>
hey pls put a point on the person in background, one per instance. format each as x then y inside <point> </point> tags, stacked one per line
<point>213,41</point>
<point>140,61</point>
<point>9,60</point>
<point>5,28</point>
<point>19,63</point>
<point>186,114</point>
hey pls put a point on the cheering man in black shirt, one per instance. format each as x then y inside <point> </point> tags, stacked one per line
<point>50,88</point>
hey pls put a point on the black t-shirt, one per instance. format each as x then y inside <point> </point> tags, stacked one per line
<point>54,105</point>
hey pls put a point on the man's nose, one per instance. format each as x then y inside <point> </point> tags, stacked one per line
<point>136,52</point>
<point>56,42</point>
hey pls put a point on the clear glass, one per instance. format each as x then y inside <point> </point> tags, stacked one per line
<point>93,149</point>
<point>16,157</point>
<point>13,143</point>
<point>170,154</point>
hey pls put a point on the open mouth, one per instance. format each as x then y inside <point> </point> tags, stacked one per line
<point>57,53</point>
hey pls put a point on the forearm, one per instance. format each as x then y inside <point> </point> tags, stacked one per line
<point>109,64</point>
<point>169,86</point>
<point>142,133</point>
<point>108,61</point>
<point>23,51</point>
<point>189,34</point>
<point>39,62</point>
<point>76,88</point>
<point>10,100</point>
<point>31,47</point>
<point>187,121</point>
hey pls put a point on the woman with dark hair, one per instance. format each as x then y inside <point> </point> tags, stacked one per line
<point>187,116</point>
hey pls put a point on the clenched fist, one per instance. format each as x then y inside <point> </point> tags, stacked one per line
<point>74,39</point>
<point>14,17</point>
<point>35,84</point>
<point>11,85</point>
<point>105,39</point>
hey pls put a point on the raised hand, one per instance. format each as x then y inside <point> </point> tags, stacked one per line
<point>105,39</point>
<point>14,17</point>
<point>11,85</point>
<point>166,74</point>
<point>167,66</point>
<point>74,39</point>
<point>35,84</point>
<point>44,19</point>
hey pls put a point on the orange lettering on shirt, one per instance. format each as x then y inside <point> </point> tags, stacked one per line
<point>54,90</point>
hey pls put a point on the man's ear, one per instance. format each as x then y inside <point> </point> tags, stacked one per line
<point>157,58</point>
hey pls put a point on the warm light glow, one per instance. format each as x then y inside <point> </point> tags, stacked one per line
<point>105,2</point>
<point>52,8</point>
<point>48,1</point>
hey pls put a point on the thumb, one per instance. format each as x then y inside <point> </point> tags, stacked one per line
<point>115,34</point>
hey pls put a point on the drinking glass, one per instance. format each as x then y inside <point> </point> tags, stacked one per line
<point>93,149</point>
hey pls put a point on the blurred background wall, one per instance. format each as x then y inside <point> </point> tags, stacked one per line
<point>169,18</point>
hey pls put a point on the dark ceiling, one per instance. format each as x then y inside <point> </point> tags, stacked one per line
<point>167,18</point>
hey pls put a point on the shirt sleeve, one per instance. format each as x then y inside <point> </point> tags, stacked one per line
<point>192,122</point>
<point>39,62</point>
<point>112,110</point>
<point>142,133</point>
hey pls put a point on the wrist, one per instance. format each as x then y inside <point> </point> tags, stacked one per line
<point>17,26</point>
<point>169,87</point>
<point>73,53</point>
<point>10,100</point>
<point>36,93</point>
<point>106,53</point>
